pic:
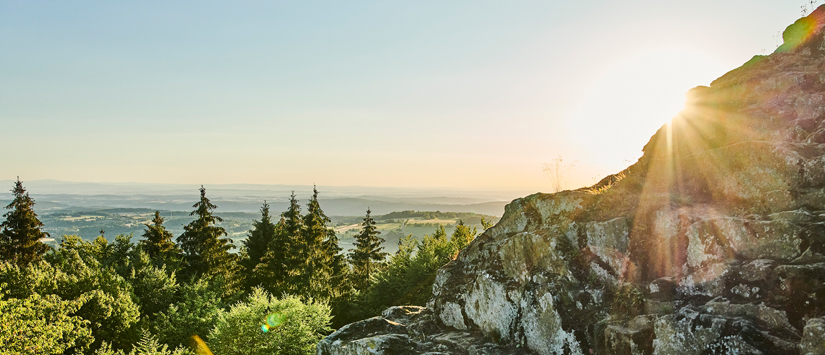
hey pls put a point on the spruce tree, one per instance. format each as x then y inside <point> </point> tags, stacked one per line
<point>206,254</point>
<point>256,245</point>
<point>463,235</point>
<point>157,240</point>
<point>21,233</point>
<point>322,269</point>
<point>279,265</point>
<point>367,256</point>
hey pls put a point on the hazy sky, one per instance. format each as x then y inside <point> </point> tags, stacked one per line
<point>475,94</point>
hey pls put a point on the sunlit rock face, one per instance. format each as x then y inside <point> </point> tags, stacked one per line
<point>712,243</point>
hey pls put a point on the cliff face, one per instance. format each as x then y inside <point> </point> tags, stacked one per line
<point>713,242</point>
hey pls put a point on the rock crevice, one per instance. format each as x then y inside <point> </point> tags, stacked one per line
<point>712,243</point>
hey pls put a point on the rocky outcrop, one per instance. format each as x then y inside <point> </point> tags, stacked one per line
<point>712,243</point>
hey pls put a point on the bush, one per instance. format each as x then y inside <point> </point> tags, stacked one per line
<point>410,273</point>
<point>238,330</point>
<point>42,325</point>
<point>193,314</point>
<point>147,345</point>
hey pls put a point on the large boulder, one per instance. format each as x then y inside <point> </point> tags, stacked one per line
<point>712,243</point>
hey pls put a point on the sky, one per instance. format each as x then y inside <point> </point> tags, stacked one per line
<point>455,94</point>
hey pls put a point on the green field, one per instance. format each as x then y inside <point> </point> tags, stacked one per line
<point>393,226</point>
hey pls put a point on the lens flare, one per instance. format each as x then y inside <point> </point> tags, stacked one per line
<point>801,31</point>
<point>272,321</point>
<point>200,346</point>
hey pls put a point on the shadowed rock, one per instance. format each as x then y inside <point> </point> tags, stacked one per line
<point>712,243</point>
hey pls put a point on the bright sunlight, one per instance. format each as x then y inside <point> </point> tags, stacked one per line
<point>632,99</point>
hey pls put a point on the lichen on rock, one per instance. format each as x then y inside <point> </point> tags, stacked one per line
<point>712,243</point>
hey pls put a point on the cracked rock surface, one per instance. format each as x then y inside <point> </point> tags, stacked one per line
<point>712,243</point>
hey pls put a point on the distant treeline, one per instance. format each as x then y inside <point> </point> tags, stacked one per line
<point>467,217</point>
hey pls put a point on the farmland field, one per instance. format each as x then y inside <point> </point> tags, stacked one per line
<point>115,221</point>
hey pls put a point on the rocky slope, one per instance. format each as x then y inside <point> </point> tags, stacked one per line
<point>712,243</point>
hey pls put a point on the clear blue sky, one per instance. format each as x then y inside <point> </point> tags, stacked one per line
<point>382,93</point>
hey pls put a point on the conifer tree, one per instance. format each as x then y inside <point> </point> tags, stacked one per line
<point>279,264</point>
<point>21,233</point>
<point>158,241</point>
<point>463,235</point>
<point>320,273</point>
<point>256,245</point>
<point>367,256</point>
<point>206,254</point>
<point>338,265</point>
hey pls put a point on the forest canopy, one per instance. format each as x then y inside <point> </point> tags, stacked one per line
<point>288,285</point>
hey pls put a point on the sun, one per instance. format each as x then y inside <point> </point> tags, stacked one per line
<point>634,97</point>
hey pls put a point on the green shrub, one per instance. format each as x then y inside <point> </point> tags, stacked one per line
<point>410,273</point>
<point>193,314</point>
<point>238,330</point>
<point>147,345</point>
<point>42,325</point>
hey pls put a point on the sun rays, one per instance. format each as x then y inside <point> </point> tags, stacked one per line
<point>629,101</point>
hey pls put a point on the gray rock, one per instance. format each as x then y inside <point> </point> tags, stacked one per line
<point>813,338</point>
<point>712,243</point>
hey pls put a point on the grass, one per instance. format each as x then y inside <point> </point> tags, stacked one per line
<point>613,180</point>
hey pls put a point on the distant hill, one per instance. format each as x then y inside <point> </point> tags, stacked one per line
<point>87,223</point>
<point>52,195</point>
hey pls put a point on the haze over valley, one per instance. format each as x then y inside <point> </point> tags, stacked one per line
<point>424,177</point>
<point>84,209</point>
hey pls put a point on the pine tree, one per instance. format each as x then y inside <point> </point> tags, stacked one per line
<point>321,270</point>
<point>256,245</point>
<point>279,264</point>
<point>206,254</point>
<point>367,256</point>
<point>157,240</point>
<point>338,265</point>
<point>463,235</point>
<point>21,234</point>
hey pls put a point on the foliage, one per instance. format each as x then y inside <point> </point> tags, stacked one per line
<point>255,246</point>
<point>321,272</point>
<point>239,330</point>
<point>147,345</point>
<point>410,272</point>
<point>154,287</point>
<point>116,297</point>
<point>463,235</point>
<point>193,314</point>
<point>606,183</point>
<point>158,241</point>
<point>89,270</point>
<point>207,254</point>
<point>279,262</point>
<point>486,224</point>
<point>42,325</point>
<point>627,301</point>
<point>116,281</point>
<point>367,257</point>
<point>21,234</point>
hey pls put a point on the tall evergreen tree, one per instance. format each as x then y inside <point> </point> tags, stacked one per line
<point>21,233</point>
<point>158,241</point>
<point>367,256</point>
<point>256,245</point>
<point>320,273</point>
<point>338,265</point>
<point>206,254</point>
<point>279,264</point>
